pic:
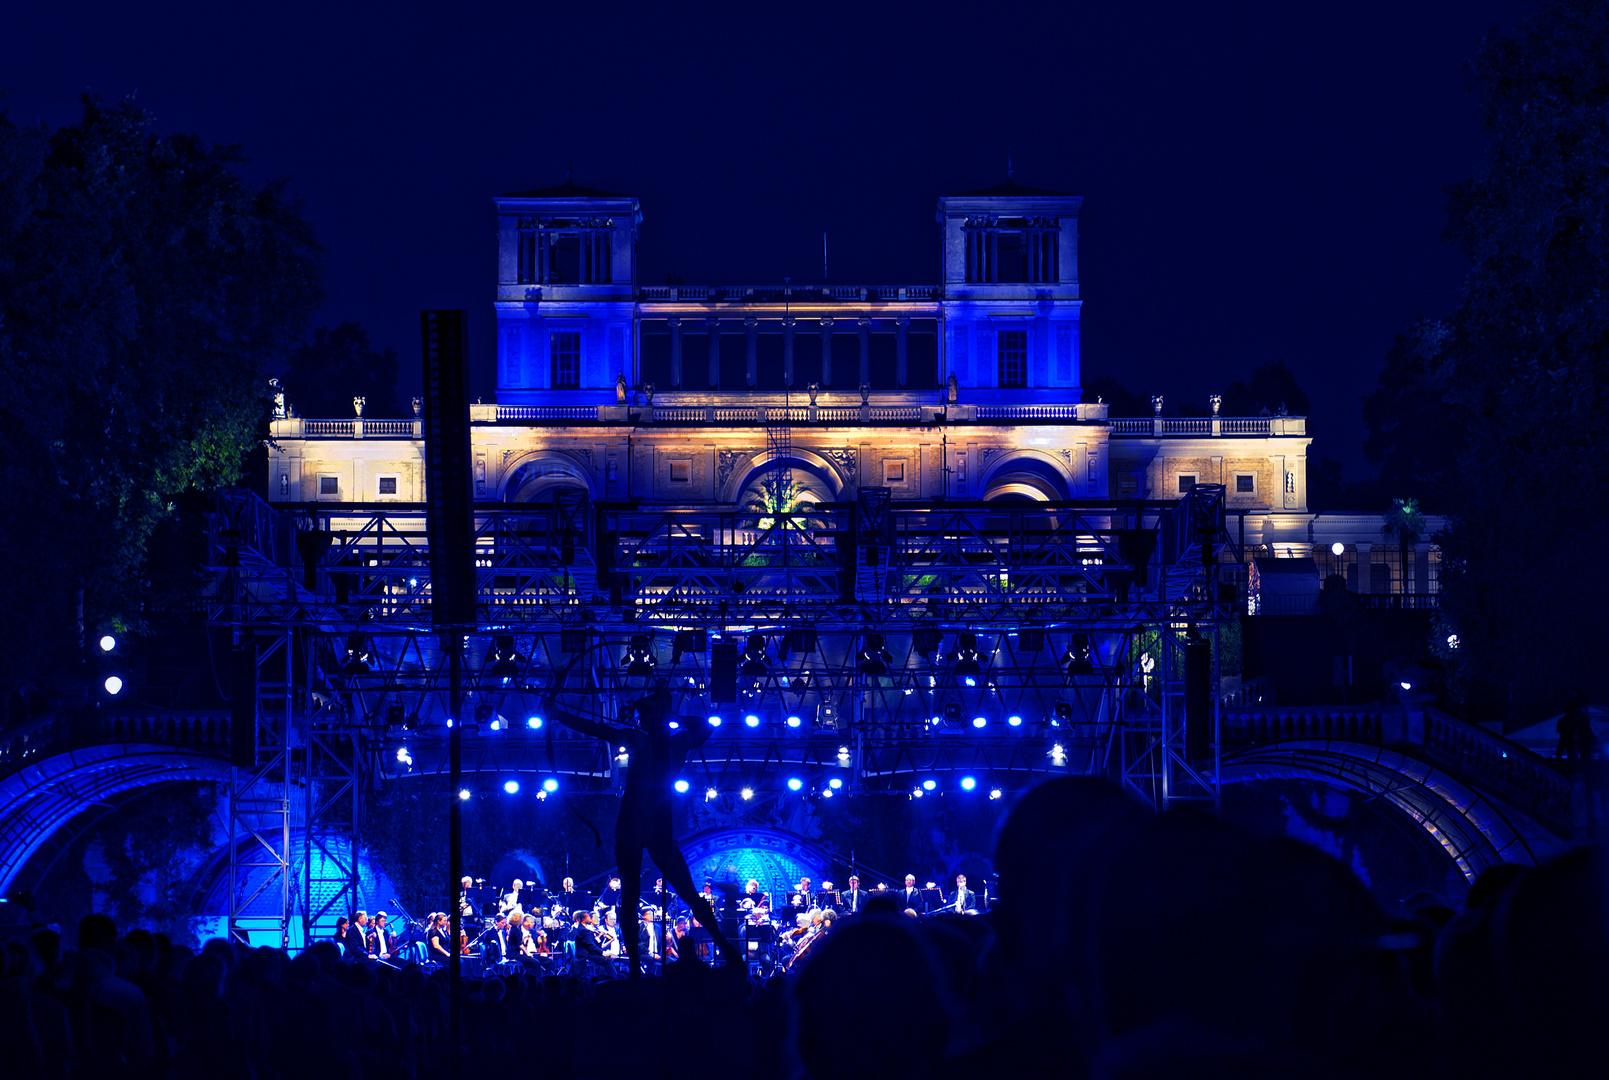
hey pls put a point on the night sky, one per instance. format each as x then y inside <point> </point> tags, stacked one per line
<point>1260,183</point>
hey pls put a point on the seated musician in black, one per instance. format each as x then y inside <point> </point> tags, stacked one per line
<point>436,940</point>
<point>494,940</point>
<point>588,952</point>
<point>357,937</point>
<point>657,755</point>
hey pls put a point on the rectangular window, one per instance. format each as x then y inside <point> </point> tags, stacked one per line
<point>388,485</point>
<point>893,472</point>
<point>329,485</point>
<point>1245,483</point>
<point>681,471</point>
<point>1187,482</point>
<point>1012,346</point>
<point>1128,487</point>
<point>565,356</point>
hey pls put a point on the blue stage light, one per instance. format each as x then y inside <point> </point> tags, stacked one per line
<point>463,793</point>
<point>1014,721</point>
<point>929,785</point>
<point>826,793</point>
<point>681,787</point>
<point>968,783</point>
<point>794,783</point>
<point>794,721</point>
<point>534,723</point>
<point>980,722</point>
<point>511,786</point>
<point>550,785</point>
<point>835,783</point>
<point>752,720</point>
<point>715,721</point>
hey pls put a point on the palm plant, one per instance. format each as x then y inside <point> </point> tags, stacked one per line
<point>1404,523</point>
<point>779,496</point>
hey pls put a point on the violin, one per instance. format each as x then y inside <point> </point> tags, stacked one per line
<point>463,943</point>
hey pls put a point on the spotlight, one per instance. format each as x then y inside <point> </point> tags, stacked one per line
<point>1058,755</point>
<point>686,641</point>
<point>980,722</point>
<point>114,685</point>
<point>794,783</point>
<point>794,721</point>
<point>929,785</point>
<point>496,725</point>
<point>835,783</point>
<point>799,683</point>
<point>1080,656</point>
<point>639,660</point>
<point>746,794</point>
<point>550,785</point>
<point>925,639</point>
<point>916,793</point>
<point>1338,549</point>
<point>681,787</point>
<point>463,794</point>
<point>1404,685</point>
<point>967,668</point>
<point>995,793</point>
<point>826,793</point>
<point>710,793</point>
<point>874,658</point>
<point>754,656</point>
<point>936,721</point>
<point>511,786</point>
<point>403,756</point>
<point>751,720</point>
<point>674,725</point>
<point>534,723</point>
<point>715,721</point>
<point>968,783</point>
<point>1014,721</point>
<point>108,643</point>
<point>358,655</point>
<point>1062,714</point>
<point>505,660</point>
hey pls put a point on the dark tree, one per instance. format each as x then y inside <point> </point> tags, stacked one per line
<point>1272,387</point>
<point>325,374</point>
<point>143,288</point>
<point>1414,435</point>
<point>1525,367</point>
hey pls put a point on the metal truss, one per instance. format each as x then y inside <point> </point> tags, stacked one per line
<point>883,627</point>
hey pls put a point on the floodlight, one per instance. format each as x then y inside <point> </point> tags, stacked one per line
<point>550,785</point>
<point>511,786</point>
<point>108,643</point>
<point>114,685</point>
<point>968,783</point>
<point>794,783</point>
<point>681,787</point>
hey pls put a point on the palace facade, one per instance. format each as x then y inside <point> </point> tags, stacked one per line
<point>964,389</point>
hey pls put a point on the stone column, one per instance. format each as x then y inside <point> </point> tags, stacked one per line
<point>863,329</point>
<point>751,362</point>
<point>826,352</point>
<point>675,352</point>
<point>787,351</point>
<point>902,325</point>
<point>715,352</point>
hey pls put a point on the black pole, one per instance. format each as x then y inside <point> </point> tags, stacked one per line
<point>455,845</point>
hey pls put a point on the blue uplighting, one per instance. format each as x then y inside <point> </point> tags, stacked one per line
<point>550,785</point>
<point>715,721</point>
<point>534,723</point>
<point>794,721</point>
<point>1014,721</point>
<point>980,722</point>
<point>681,787</point>
<point>968,783</point>
<point>794,783</point>
<point>929,785</point>
<point>752,720</point>
<point>511,786</point>
<point>835,783</point>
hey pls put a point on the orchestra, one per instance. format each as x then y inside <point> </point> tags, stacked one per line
<point>568,931</point>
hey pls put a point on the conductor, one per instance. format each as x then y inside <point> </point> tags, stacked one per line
<point>657,754</point>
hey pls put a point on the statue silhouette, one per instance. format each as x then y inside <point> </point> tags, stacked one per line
<point>657,754</point>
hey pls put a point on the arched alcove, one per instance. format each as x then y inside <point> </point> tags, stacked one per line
<point>1027,475</point>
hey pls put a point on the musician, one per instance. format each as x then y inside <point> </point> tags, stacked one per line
<point>803,900</point>
<point>610,898</point>
<point>910,897</point>
<point>466,907</point>
<point>382,941</point>
<point>588,950</point>
<point>678,938</point>
<point>516,933</point>
<point>514,898</point>
<point>494,940</point>
<point>965,901</point>
<point>341,924</point>
<point>438,937</point>
<point>357,936</point>
<point>753,898</point>
<point>853,897</point>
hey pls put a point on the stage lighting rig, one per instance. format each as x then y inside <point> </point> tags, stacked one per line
<point>1080,658</point>
<point>505,658</point>
<point>925,639</point>
<point>359,655</point>
<point>754,657</point>
<point>687,641</point>
<point>639,661</point>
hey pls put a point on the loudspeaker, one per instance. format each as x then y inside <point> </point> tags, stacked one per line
<point>243,706</point>
<point>723,672</point>
<point>1197,699</point>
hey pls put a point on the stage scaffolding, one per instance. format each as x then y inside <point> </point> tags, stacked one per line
<point>887,628</point>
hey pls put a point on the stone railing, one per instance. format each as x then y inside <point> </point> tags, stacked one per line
<point>741,414</point>
<point>62,731</point>
<point>1502,767</point>
<point>760,294</point>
